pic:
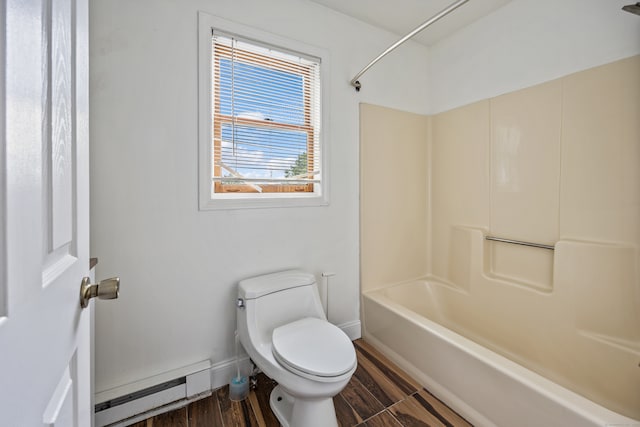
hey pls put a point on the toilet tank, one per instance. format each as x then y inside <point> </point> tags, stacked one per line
<point>279,298</point>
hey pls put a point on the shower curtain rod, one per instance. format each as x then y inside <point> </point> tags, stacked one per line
<point>354,81</point>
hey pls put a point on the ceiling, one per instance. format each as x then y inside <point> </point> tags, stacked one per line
<point>403,16</point>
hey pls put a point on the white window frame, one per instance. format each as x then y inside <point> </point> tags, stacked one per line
<point>207,23</point>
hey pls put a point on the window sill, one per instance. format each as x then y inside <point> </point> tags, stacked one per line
<point>235,202</point>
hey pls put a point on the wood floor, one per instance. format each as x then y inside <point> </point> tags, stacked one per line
<point>379,395</point>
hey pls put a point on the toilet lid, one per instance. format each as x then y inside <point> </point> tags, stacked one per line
<point>314,346</point>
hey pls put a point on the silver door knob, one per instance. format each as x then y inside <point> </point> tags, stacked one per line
<point>105,289</point>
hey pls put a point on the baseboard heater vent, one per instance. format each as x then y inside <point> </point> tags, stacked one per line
<point>140,394</point>
<point>133,402</point>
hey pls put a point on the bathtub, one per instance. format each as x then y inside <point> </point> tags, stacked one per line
<point>410,324</point>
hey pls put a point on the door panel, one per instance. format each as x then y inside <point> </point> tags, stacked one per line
<point>61,408</point>
<point>59,221</point>
<point>44,334</point>
<point>61,132</point>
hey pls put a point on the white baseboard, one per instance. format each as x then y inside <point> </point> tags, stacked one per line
<point>352,329</point>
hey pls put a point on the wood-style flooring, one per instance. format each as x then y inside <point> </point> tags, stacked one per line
<point>379,394</point>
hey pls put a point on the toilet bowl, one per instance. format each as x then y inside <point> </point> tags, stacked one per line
<point>283,328</point>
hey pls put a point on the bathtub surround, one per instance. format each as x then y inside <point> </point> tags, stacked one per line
<point>393,155</point>
<point>555,163</point>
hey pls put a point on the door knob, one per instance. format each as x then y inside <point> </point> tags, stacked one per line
<point>105,289</point>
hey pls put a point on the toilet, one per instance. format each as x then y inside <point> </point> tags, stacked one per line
<point>283,328</point>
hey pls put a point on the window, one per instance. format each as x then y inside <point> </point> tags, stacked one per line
<point>264,136</point>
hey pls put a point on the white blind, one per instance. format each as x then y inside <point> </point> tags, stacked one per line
<point>266,118</point>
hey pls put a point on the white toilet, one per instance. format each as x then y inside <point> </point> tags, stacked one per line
<point>283,328</point>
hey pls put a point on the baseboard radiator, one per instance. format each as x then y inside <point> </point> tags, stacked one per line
<point>137,401</point>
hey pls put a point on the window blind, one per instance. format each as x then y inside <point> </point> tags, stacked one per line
<point>266,118</point>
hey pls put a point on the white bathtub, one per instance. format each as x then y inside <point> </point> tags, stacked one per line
<point>483,386</point>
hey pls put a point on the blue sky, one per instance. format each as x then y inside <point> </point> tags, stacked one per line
<point>264,94</point>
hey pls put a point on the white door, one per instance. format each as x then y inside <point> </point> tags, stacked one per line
<point>45,376</point>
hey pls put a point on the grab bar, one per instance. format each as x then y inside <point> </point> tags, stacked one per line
<point>519,242</point>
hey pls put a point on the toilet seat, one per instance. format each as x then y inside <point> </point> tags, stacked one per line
<point>311,347</point>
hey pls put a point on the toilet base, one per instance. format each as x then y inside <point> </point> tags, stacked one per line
<point>299,412</point>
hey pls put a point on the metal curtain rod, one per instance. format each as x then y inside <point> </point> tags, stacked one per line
<point>519,242</point>
<point>354,81</point>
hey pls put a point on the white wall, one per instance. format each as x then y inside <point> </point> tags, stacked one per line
<point>527,42</point>
<point>179,266</point>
